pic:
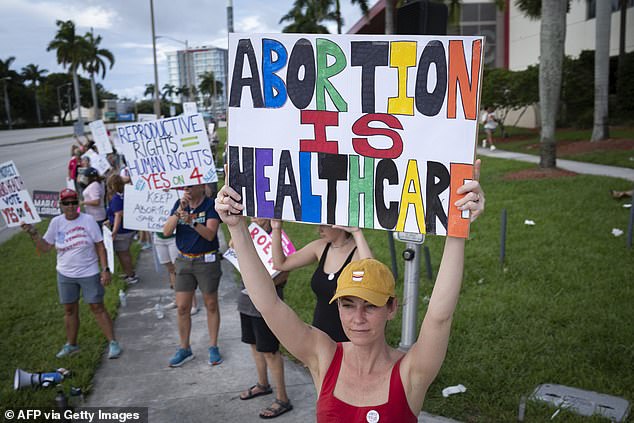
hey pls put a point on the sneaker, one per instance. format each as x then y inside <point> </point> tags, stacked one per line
<point>131,280</point>
<point>195,310</point>
<point>182,356</point>
<point>67,350</point>
<point>214,356</point>
<point>493,148</point>
<point>146,246</point>
<point>170,305</point>
<point>114,350</point>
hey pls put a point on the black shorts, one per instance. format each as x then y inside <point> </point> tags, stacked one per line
<point>256,332</point>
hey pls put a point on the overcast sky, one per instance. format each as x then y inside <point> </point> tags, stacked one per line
<point>27,26</point>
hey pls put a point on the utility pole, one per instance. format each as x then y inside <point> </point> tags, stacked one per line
<point>157,100</point>
<point>229,31</point>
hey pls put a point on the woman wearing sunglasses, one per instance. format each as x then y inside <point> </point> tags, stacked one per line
<point>80,251</point>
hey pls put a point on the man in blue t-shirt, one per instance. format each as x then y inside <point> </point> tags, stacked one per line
<point>196,223</point>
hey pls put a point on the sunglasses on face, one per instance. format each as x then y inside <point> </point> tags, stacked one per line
<point>69,203</point>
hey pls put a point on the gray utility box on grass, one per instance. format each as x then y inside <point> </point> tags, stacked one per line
<point>586,403</point>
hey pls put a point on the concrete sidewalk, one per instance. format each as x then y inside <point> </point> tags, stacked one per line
<point>194,392</point>
<point>578,167</point>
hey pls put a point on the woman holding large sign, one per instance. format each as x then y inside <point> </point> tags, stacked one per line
<point>364,379</point>
<point>336,247</point>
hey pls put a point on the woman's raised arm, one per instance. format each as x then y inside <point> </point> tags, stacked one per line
<point>426,356</point>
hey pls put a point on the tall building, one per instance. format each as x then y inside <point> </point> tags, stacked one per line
<point>186,68</point>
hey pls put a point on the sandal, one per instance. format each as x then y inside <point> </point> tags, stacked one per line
<point>282,408</point>
<point>263,390</point>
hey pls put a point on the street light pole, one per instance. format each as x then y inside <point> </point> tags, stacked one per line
<point>157,101</point>
<point>186,67</point>
<point>7,104</point>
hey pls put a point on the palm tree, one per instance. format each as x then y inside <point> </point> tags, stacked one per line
<point>72,51</point>
<point>184,92</point>
<point>363,4</point>
<point>306,16</point>
<point>169,91</point>
<point>95,64</point>
<point>34,74</point>
<point>552,41</point>
<point>149,90</point>
<point>7,73</point>
<point>603,18</point>
<point>210,86</point>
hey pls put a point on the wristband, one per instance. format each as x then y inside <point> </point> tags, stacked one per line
<point>106,269</point>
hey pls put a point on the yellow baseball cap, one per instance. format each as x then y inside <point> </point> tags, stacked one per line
<point>368,279</point>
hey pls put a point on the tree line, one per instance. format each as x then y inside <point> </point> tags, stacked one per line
<point>33,96</point>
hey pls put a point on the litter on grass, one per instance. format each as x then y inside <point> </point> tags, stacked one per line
<point>627,206</point>
<point>617,232</point>
<point>451,390</point>
<point>529,222</point>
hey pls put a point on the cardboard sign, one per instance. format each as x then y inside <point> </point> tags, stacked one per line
<point>147,210</point>
<point>354,130</point>
<point>262,243</point>
<point>15,202</point>
<point>108,244</point>
<point>100,136</point>
<point>168,153</point>
<point>190,108</point>
<point>98,161</point>
<point>47,203</point>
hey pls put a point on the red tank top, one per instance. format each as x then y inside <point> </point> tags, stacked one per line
<point>331,409</point>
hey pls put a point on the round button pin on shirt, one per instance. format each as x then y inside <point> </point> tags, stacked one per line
<point>372,416</point>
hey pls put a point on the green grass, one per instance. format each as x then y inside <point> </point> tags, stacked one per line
<point>560,311</point>
<point>524,140</point>
<point>32,328</point>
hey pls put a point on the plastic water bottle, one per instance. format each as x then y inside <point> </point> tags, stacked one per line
<point>158,310</point>
<point>123,300</point>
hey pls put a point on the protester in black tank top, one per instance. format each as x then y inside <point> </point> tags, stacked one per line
<point>335,248</point>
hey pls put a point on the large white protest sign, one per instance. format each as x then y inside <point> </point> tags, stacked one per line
<point>15,202</point>
<point>263,245</point>
<point>190,108</point>
<point>167,153</point>
<point>98,161</point>
<point>100,136</point>
<point>147,210</point>
<point>372,131</point>
<point>109,246</point>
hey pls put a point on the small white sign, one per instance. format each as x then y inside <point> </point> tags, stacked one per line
<point>107,242</point>
<point>147,210</point>
<point>263,245</point>
<point>98,161</point>
<point>15,202</point>
<point>190,108</point>
<point>100,136</point>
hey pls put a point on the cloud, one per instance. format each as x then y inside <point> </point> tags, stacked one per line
<point>96,16</point>
<point>135,92</point>
<point>253,23</point>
